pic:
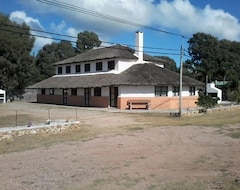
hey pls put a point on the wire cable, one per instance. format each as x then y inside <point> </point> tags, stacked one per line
<point>104,16</point>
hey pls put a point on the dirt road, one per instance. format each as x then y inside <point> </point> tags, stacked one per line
<point>199,157</point>
<point>181,157</point>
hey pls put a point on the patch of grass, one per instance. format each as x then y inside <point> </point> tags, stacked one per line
<point>213,119</point>
<point>27,142</point>
<point>182,185</point>
<point>235,135</point>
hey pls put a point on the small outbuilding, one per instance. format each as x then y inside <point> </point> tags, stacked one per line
<point>2,96</point>
<point>215,92</point>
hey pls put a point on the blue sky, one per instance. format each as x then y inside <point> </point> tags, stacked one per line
<point>219,18</point>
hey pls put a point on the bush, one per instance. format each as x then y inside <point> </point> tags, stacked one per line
<point>206,101</point>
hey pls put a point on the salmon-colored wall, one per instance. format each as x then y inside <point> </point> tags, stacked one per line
<point>157,103</point>
<point>75,101</point>
<point>50,99</point>
<point>99,101</point>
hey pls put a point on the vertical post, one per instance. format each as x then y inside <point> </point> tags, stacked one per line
<point>49,117</point>
<point>180,81</point>
<point>76,114</point>
<point>16,118</point>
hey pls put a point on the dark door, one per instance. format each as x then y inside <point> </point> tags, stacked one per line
<point>113,96</point>
<point>87,94</point>
<point>65,96</point>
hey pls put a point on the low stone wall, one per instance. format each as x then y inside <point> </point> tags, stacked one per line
<point>223,108</point>
<point>48,129</point>
<point>212,110</point>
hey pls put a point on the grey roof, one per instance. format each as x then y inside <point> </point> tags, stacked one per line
<point>111,52</point>
<point>147,74</point>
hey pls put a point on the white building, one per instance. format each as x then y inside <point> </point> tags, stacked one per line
<point>2,96</point>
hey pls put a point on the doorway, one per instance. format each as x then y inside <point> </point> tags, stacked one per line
<point>113,96</point>
<point>87,95</point>
<point>65,96</point>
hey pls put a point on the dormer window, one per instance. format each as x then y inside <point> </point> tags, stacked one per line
<point>111,65</point>
<point>99,66</point>
<point>59,70</point>
<point>78,68</point>
<point>68,69</point>
<point>87,67</point>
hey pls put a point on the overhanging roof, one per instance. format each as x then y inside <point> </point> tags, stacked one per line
<point>111,52</point>
<point>146,74</point>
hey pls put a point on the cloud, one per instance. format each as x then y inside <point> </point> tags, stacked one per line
<point>21,17</point>
<point>179,16</point>
<point>183,16</point>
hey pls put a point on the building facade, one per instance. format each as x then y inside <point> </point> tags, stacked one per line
<point>113,76</point>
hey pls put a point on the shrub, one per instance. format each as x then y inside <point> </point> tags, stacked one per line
<point>206,101</point>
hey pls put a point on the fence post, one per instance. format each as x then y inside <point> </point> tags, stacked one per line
<point>16,118</point>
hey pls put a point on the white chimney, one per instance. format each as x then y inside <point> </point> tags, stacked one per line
<point>139,46</point>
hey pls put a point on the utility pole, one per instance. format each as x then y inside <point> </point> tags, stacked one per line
<point>180,81</point>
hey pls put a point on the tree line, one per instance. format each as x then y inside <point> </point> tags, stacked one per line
<point>210,59</point>
<point>214,60</point>
<point>19,68</point>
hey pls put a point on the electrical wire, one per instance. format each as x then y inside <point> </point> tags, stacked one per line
<point>71,7</point>
<point>74,37</point>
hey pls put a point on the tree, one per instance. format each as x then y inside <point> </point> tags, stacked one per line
<point>16,64</point>
<point>87,40</point>
<point>170,63</point>
<point>50,54</point>
<point>203,48</point>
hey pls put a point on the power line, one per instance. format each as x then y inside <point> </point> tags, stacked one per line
<point>58,39</point>
<point>103,16</point>
<point>74,37</point>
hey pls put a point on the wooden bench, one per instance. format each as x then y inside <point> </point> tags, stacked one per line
<point>131,103</point>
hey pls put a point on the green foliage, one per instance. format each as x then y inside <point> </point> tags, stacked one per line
<point>202,49</point>
<point>213,59</point>
<point>236,96</point>
<point>206,101</point>
<point>16,64</point>
<point>87,40</point>
<point>170,63</point>
<point>52,53</point>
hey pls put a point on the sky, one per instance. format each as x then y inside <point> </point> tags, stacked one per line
<point>167,24</point>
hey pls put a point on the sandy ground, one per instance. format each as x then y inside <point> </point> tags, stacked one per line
<point>142,159</point>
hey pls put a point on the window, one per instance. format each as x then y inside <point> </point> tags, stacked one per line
<point>111,65</point>
<point>192,90</point>
<point>74,92</point>
<point>51,91</point>
<point>59,70</point>
<point>161,91</point>
<point>98,66</point>
<point>78,68</point>
<point>43,91</point>
<point>97,91</point>
<point>87,67</point>
<point>176,91</point>
<point>68,69</point>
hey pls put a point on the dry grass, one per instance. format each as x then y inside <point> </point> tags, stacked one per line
<point>93,130</point>
<point>214,119</point>
<point>89,131</point>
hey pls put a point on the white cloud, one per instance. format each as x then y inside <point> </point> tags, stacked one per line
<point>175,15</point>
<point>21,17</point>
<point>182,15</point>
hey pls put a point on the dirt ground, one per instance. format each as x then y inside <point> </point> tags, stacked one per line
<point>188,156</point>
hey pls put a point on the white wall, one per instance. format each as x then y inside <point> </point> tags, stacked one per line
<point>3,94</point>
<point>60,91</point>
<point>123,65</point>
<point>105,91</point>
<point>148,91</point>
<point>136,91</point>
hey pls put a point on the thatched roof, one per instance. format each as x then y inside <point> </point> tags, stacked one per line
<point>147,74</point>
<point>111,52</point>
